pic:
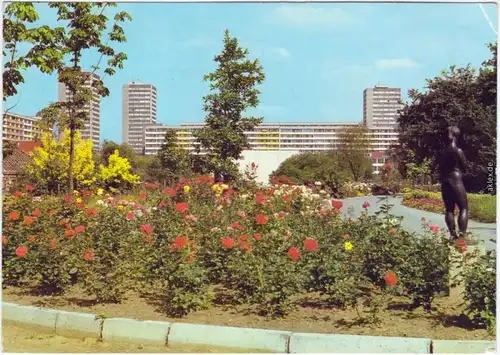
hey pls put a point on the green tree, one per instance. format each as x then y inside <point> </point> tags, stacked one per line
<point>233,86</point>
<point>172,161</point>
<point>8,148</point>
<point>458,97</point>
<point>86,26</point>
<point>353,151</point>
<point>41,51</point>
<point>311,167</point>
<point>126,151</point>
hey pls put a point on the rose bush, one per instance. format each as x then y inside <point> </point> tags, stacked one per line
<point>188,244</point>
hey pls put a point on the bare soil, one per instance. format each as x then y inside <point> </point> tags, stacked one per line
<point>445,321</point>
<point>27,339</point>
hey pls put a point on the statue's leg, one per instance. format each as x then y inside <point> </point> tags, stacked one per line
<point>463,206</point>
<point>449,205</point>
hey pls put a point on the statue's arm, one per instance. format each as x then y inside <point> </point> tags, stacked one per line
<point>462,160</point>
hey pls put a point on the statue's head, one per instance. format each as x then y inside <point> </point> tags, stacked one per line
<point>453,133</point>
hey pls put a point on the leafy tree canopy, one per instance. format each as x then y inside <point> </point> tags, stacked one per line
<point>461,97</point>
<point>233,91</point>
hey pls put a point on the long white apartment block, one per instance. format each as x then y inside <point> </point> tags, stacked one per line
<point>299,137</point>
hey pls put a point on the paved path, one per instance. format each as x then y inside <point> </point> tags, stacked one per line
<point>413,217</point>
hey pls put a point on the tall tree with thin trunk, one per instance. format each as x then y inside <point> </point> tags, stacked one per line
<point>233,91</point>
<point>85,31</point>
<point>353,151</point>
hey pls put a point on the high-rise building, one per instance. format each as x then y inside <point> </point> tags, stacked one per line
<point>380,106</point>
<point>92,128</point>
<point>17,127</point>
<point>139,110</point>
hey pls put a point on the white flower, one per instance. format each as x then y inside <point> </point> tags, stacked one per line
<point>317,183</point>
<point>322,192</point>
<point>100,202</point>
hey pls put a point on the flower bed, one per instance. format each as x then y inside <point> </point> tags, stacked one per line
<point>197,244</point>
<point>481,207</point>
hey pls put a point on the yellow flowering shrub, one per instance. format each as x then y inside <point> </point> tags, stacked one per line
<point>50,162</point>
<point>117,173</point>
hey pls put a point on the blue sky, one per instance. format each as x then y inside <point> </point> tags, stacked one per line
<point>318,58</point>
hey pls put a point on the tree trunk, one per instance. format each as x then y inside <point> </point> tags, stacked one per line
<point>71,157</point>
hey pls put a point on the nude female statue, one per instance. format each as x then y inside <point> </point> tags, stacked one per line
<point>452,168</point>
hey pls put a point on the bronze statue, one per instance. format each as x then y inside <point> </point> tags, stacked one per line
<point>452,167</point>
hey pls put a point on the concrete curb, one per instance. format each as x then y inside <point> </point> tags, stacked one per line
<point>463,347</point>
<point>343,343</point>
<point>165,333</point>
<point>246,338</point>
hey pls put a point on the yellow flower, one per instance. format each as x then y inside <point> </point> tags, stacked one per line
<point>108,195</point>
<point>78,200</point>
<point>76,193</point>
<point>120,207</point>
<point>347,246</point>
<point>224,187</point>
<point>186,188</point>
<point>100,192</point>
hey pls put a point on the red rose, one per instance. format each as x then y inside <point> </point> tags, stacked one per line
<point>387,166</point>
<point>260,219</point>
<point>434,228</point>
<point>146,229</point>
<point>294,253</point>
<point>79,229</point>
<point>257,236</point>
<point>130,216</point>
<point>29,220</point>
<point>310,244</point>
<point>13,216</point>
<point>366,204</point>
<point>390,279</point>
<point>181,241</point>
<point>260,198</point>
<point>169,191</point>
<point>287,198</point>
<point>91,212</point>
<point>37,212</point>
<point>32,238</point>
<point>18,194</point>
<point>67,198</point>
<point>337,204</point>
<point>181,207</point>
<point>52,212</point>
<point>29,188</point>
<point>52,244</point>
<point>461,245</point>
<point>69,233</point>
<point>4,239</point>
<point>21,252</point>
<point>88,254</point>
<point>227,242</point>
<point>142,195</point>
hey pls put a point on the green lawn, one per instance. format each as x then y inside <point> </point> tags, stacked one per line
<point>482,207</point>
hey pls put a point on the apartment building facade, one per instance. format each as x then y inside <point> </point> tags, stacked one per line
<point>380,106</point>
<point>138,110</point>
<point>300,137</point>
<point>92,127</point>
<point>16,127</point>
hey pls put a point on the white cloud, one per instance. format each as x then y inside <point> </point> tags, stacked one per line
<point>310,16</point>
<point>280,51</point>
<point>370,69</point>
<point>395,63</point>
<point>198,42</point>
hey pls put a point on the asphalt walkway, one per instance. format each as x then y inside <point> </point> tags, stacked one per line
<point>413,217</point>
